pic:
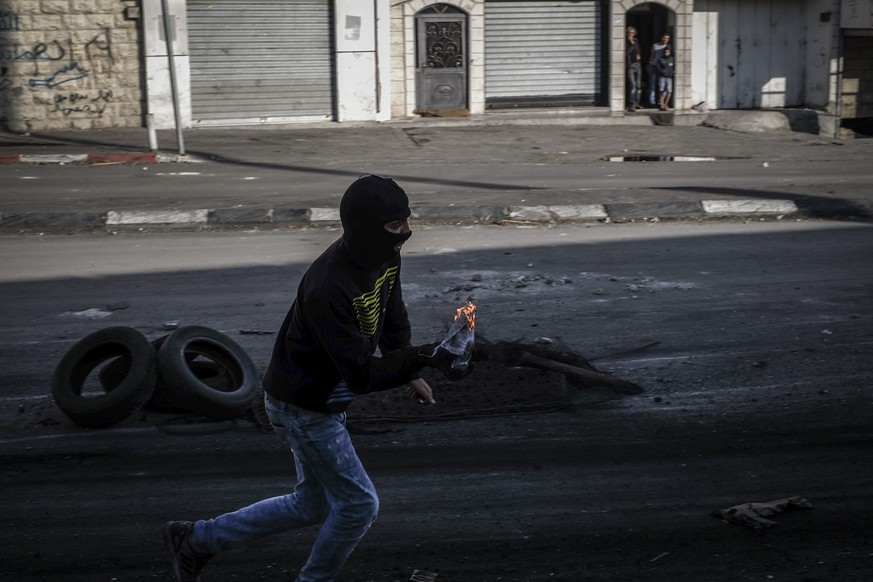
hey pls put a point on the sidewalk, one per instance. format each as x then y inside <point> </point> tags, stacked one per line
<point>311,163</point>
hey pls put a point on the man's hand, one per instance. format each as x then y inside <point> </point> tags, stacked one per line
<point>443,361</point>
<point>420,389</point>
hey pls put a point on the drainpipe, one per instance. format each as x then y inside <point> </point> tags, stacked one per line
<point>171,59</point>
<point>838,106</point>
<point>152,133</point>
<point>376,56</point>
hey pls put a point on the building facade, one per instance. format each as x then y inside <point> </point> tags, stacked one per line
<point>107,63</point>
<point>69,64</point>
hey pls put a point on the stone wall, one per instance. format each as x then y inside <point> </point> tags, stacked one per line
<point>69,64</point>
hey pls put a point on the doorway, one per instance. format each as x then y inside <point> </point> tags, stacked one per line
<point>652,21</point>
<point>441,60</point>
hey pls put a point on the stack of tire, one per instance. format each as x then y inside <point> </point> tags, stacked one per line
<point>193,369</point>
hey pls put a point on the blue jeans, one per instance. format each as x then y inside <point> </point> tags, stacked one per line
<point>653,83</point>
<point>665,85</point>
<point>332,489</point>
<point>634,77</point>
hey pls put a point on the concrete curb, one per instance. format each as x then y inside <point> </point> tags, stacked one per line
<point>255,217</point>
<point>95,159</point>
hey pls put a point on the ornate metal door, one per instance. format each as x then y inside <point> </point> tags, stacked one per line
<point>441,67</point>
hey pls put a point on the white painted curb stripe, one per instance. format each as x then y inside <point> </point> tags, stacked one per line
<point>560,212</point>
<point>530,212</point>
<point>178,158</point>
<point>579,211</point>
<point>158,217</point>
<point>111,158</point>
<point>52,159</point>
<point>324,215</point>
<point>749,206</point>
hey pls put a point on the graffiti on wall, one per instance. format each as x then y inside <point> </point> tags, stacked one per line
<point>64,70</point>
<point>9,21</point>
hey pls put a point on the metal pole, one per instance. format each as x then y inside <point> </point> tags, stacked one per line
<point>376,56</point>
<point>172,63</point>
<point>153,135</point>
<point>838,106</point>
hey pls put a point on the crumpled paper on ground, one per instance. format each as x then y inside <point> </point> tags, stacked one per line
<point>754,515</point>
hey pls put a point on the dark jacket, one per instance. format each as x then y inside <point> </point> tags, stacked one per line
<point>666,67</point>
<point>343,311</point>
<point>633,53</point>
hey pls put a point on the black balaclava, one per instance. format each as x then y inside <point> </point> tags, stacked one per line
<point>367,205</point>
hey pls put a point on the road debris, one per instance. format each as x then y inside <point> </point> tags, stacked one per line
<point>591,376</point>
<point>555,358</point>
<point>754,515</point>
<point>93,313</point>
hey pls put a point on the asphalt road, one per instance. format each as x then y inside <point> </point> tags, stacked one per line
<point>494,165</point>
<point>753,342</point>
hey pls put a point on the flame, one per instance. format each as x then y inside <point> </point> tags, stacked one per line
<point>468,311</point>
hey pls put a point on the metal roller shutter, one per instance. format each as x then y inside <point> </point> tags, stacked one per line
<point>540,53</point>
<point>260,61</point>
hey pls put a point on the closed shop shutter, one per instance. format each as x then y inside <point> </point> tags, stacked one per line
<point>260,61</point>
<point>541,53</point>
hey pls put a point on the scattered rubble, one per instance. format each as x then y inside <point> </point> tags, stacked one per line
<point>534,282</point>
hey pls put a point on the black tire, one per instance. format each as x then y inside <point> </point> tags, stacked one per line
<point>113,373</point>
<point>223,398</point>
<point>164,398</point>
<point>127,396</point>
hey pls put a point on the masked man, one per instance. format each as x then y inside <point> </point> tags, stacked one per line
<point>348,304</point>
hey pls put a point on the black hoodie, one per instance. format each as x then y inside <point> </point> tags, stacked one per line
<point>348,303</point>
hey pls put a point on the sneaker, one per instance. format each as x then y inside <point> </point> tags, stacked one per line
<point>186,563</point>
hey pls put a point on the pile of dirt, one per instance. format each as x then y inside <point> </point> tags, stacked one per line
<point>500,384</point>
<point>492,389</point>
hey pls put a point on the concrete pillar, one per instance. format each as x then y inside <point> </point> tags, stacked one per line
<point>159,97</point>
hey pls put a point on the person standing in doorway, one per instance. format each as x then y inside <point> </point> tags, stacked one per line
<point>666,71</point>
<point>634,69</point>
<point>655,55</point>
<point>348,305</point>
